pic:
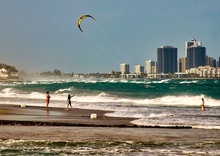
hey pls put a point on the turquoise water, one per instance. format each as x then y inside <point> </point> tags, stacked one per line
<point>153,102</point>
<point>124,88</point>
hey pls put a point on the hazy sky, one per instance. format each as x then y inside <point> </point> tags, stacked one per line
<point>42,35</point>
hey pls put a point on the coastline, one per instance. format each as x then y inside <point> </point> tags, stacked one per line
<point>62,140</point>
<point>61,78</point>
<point>12,80</point>
<point>55,116</point>
<point>116,134</point>
<point>23,119</point>
<point>67,129</point>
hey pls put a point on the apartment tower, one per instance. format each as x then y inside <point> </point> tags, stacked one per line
<point>139,69</point>
<point>195,54</point>
<point>166,59</point>
<point>150,67</point>
<point>124,68</point>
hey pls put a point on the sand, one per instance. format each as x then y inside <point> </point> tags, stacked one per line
<point>92,134</point>
<point>16,115</point>
<point>35,123</point>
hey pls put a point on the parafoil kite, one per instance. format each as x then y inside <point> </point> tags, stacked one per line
<point>81,18</point>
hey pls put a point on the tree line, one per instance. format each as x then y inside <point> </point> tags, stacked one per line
<point>8,67</point>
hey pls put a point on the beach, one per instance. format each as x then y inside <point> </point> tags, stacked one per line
<point>37,123</point>
<point>92,134</point>
<point>128,118</point>
<point>33,124</point>
<point>54,116</point>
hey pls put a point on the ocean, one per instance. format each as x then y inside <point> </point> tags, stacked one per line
<point>155,102</point>
<point>170,102</point>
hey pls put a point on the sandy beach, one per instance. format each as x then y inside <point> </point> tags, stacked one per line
<point>92,134</point>
<point>31,123</point>
<point>39,116</point>
<point>36,131</point>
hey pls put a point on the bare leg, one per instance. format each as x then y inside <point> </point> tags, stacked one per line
<point>71,106</point>
<point>67,106</point>
<point>47,105</point>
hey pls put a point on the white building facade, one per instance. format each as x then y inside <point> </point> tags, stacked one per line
<point>124,68</point>
<point>205,72</point>
<point>150,67</point>
<point>139,69</point>
<point>3,73</point>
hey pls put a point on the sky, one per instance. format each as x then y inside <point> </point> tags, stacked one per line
<point>42,35</point>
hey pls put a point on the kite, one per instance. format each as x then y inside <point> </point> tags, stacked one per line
<point>81,18</point>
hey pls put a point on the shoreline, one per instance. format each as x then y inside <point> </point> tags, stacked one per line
<point>46,140</point>
<point>33,123</point>
<point>12,80</point>
<point>61,78</point>
<point>56,116</point>
<point>114,134</point>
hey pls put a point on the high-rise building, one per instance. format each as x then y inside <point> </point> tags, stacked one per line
<point>150,66</point>
<point>193,42</point>
<point>218,62</point>
<point>182,65</point>
<point>124,68</point>
<point>139,69</point>
<point>166,59</point>
<point>195,54</point>
<point>210,61</point>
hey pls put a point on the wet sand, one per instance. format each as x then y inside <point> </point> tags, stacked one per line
<point>35,123</point>
<point>39,116</point>
<point>92,134</point>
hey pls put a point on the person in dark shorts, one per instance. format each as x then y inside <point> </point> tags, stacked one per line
<point>69,101</point>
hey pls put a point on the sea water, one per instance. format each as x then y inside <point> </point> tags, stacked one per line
<point>154,102</point>
<point>170,102</point>
<point>41,147</point>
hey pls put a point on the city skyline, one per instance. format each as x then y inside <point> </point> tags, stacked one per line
<point>139,69</point>
<point>169,62</point>
<point>43,35</point>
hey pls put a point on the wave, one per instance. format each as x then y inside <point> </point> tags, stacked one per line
<point>87,81</point>
<point>114,99</point>
<point>94,80</point>
<point>162,81</point>
<point>7,84</point>
<point>167,110</point>
<point>163,102</point>
<point>182,82</point>
<point>63,90</point>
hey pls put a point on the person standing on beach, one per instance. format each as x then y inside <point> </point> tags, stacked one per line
<point>47,99</point>
<point>69,101</point>
<point>203,105</point>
